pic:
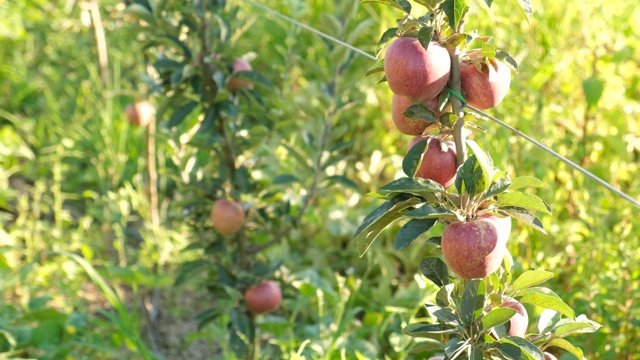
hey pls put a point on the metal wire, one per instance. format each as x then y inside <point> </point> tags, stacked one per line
<point>307,27</point>
<point>560,157</point>
<point>474,110</point>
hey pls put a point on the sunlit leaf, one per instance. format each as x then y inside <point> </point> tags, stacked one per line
<point>402,4</point>
<point>454,347</point>
<point>523,200</point>
<point>526,8</point>
<point>531,278</point>
<point>497,316</point>
<point>545,298</point>
<point>564,344</point>
<point>525,215</point>
<point>526,181</point>
<point>526,346</point>
<point>592,88</point>
<point>455,10</point>
<point>506,58</point>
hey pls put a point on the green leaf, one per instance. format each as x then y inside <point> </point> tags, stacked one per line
<point>421,329</point>
<point>446,316</point>
<point>455,10</point>
<point>427,211</point>
<point>343,180</point>
<point>402,4</point>
<point>185,49</point>
<point>426,344</point>
<point>472,303</point>
<point>285,179</point>
<point>475,354</point>
<point>592,88</point>
<point>526,346</point>
<point>181,113</point>
<point>545,298</point>
<point>470,177</point>
<point>526,181</point>
<point>524,200</point>
<point>429,4</point>
<point>454,347</point>
<point>526,10</point>
<point>506,58</point>
<point>581,325</point>
<point>424,36</point>
<point>409,185</point>
<point>443,296</point>
<point>488,2</point>
<point>255,77</point>
<point>509,351</point>
<point>376,68</point>
<point>497,187</point>
<point>301,160</point>
<point>387,35</point>
<point>411,161</point>
<point>420,112</point>
<point>485,162</point>
<point>434,269</point>
<point>410,231</point>
<point>140,12</point>
<point>531,278</point>
<point>497,316</point>
<point>525,215</point>
<point>167,64</point>
<point>380,218</point>
<point>564,344</point>
<point>488,50</point>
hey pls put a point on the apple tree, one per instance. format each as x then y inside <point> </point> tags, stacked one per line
<point>443,76</point>
<point>222,125</point>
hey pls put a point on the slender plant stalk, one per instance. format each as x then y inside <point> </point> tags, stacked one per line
<point>101,41</point>
<point>458,108</point>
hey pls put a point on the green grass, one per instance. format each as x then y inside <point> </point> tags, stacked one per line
<point>72,180</point>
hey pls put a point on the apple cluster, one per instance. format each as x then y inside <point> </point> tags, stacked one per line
<point>475,248</point>
<point>227,218</point>
<point>417,76</point>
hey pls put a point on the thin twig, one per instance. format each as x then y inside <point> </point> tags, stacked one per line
<point>101,41</point>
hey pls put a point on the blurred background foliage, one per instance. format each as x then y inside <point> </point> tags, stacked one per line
<point>72,180</point>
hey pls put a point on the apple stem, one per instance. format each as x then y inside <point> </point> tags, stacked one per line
<point>458,108</point>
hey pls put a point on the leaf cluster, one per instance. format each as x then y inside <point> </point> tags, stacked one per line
<point>479,189</point>
<point>471,321</point>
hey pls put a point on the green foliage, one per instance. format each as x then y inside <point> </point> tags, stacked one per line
<point>73,178</point>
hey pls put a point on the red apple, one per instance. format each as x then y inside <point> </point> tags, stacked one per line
<point>437,165</point>
<point>263,298</point>
<point>399,104</point>
<point>475,249</point>
<point>227,217</point>
<point>414,72</point>
<point>140,113</point>
<point>520,321</point>
<point>548,356</point>
<point>236,83</point>
<point>485,84</point>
